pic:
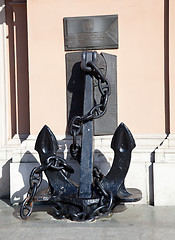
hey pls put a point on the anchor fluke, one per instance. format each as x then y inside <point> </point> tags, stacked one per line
<point>122,143</point>
<point>47,147</point>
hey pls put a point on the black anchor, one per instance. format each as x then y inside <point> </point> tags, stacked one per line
<point>96,194</point>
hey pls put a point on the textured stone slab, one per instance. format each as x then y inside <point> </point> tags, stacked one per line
<point>107,63</point>
<point>93,32</point>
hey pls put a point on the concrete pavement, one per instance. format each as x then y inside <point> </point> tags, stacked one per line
<point>137,222</point>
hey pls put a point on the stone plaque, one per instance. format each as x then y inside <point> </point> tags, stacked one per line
<point>95,32</point>
<point>107,63</point>
<point>108,122</point>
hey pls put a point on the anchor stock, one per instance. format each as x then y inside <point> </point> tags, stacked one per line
<point>96,194</point>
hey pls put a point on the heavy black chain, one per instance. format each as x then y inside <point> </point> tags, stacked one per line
<point>106,196</point>
<point>95,112</point>
<point>35,179</point>
<point>104,206</point>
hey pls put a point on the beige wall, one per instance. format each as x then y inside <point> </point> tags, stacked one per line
<point>140,61</point>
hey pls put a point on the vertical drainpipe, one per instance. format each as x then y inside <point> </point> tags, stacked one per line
<point>166,66</point>
<point>166,98</point>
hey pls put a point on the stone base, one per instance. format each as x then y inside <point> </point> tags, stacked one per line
<point>164,188</point>
<point>164,173</point>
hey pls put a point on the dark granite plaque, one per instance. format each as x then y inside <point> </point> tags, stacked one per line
<point>95,32</point>
<point>108,122</point>
<point>107,63</point>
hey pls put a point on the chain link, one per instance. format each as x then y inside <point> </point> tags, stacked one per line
<point>75,148</point>
<point>26,208</point>
<point>106,199</point>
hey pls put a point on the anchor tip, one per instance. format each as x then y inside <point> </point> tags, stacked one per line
<point>46,140</point>
<point>123,138</point>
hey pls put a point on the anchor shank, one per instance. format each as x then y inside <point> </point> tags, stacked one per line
<point>86,171</point>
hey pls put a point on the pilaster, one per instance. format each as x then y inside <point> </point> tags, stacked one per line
<point>3,78</point>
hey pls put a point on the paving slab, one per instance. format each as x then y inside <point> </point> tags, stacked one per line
<point>131,222</point>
